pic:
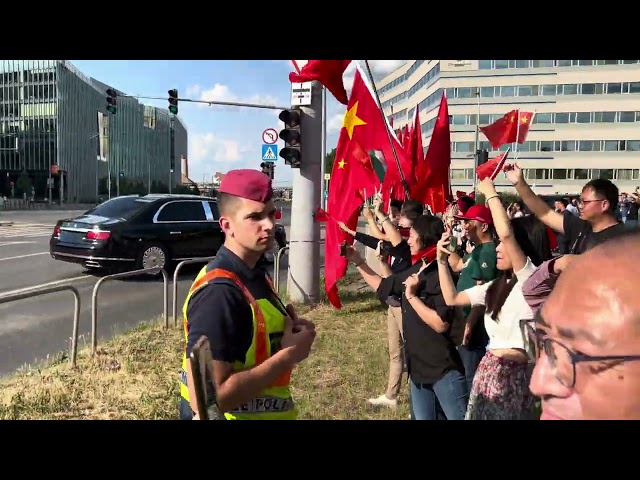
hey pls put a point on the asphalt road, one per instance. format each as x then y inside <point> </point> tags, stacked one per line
<point>34,328</point>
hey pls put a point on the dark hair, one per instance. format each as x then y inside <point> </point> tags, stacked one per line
<point>412,209</point>
<point>468,201</point>
<point>605,190</point>
<point>396,204</point>
<point>563,201</point>
<point>533,238</point>
<point>429,229</point>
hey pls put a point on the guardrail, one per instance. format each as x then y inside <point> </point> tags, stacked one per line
<point>55,289</point>
<point>276,268</point>
<point>94,298</point>
<point>175,283</point>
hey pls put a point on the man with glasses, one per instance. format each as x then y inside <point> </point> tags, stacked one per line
<point>587,346</point>
<point>597,205</point>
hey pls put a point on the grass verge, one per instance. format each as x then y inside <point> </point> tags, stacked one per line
<point>135,375</point>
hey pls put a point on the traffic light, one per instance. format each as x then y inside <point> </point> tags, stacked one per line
<point>291,152</point>
<point>173,101</point>
<point>483,157</point>
<point>268,169</point>
<point>111,101</point>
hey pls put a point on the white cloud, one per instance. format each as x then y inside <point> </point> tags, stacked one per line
<point>222,93</point>
<point>379,69</point>
<point>334,122</point>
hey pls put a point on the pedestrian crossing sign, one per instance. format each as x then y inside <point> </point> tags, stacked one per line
<point>269,153</point>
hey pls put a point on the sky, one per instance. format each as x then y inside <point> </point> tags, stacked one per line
<point>223,138</point>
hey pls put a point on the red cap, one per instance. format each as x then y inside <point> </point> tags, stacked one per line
<point>247,183</point>
<point>479,213</point>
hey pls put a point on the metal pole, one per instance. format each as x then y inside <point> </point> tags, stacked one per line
<point>304,247</point>
<point>323,170</point>
<point>476,155</point>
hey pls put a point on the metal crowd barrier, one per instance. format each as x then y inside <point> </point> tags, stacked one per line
<point>55,289</point>
<point>276,268</point>
<point>175,282</point>
<point>94,299</point>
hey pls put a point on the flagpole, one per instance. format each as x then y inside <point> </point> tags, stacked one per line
<point>323,165</point>
<point>386,125</point>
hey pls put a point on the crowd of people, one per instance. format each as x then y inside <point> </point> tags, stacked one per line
<point>518,311</point>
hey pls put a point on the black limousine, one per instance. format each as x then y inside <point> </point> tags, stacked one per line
<point>142,231</point>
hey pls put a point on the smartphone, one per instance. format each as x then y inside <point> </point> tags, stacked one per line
<point>202,373</point>
<point>453,244</point>
<point>197,360</point>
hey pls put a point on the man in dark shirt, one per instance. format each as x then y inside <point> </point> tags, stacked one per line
<point>228,310</point>
<point>597,204</point>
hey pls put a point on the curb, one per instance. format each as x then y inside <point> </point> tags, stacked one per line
<point>5,224</point>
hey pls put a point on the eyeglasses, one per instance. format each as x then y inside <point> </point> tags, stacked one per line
<point>561,359</point>
<point>583,202</point>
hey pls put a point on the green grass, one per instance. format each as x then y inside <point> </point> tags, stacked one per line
<point>135,375</point>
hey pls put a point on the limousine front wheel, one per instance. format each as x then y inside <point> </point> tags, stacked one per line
<point>152,256</point>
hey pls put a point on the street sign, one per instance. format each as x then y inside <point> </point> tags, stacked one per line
<point>269,153</point>
<point>301,94</point>
<point>269,136</point>
<point>327,176</point>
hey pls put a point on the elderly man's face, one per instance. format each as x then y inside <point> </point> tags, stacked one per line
<point>591,312</point>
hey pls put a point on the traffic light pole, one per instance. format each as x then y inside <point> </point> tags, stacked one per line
<point>304,246</point>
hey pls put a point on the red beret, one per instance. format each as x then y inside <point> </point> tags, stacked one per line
<point>247,183</point>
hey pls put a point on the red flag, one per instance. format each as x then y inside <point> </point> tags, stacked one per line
<point>321,216</point>
<point>351,176</point>
<point>327,72</point>
<point>512,128</point>
<point>416,150</point>
<point>435,189</point>
<point>493,167</point>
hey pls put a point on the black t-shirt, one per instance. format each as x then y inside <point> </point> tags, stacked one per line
<point>430,355</point>
<point>222,313</point>
<point>580,236</point>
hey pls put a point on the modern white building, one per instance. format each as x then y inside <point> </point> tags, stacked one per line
<point>587,122</point>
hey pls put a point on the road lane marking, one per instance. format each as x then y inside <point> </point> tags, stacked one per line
<point>17,257</point>
<point>43,285</point>
<point>26,230</point>
<point>8,244</point>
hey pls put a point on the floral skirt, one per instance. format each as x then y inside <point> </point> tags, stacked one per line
<point>500,390</point>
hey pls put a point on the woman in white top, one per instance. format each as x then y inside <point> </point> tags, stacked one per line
<point>501,385</point>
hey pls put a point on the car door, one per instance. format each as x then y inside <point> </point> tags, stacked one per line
<point>214,235</point>
<point>183,222</point>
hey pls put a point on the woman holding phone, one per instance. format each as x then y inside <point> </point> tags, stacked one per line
<point>500,388</point>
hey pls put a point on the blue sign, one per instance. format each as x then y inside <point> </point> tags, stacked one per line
<point>269,153</point>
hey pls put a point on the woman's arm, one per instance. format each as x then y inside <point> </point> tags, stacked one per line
<point>428,315</point>
<point>502,224</point>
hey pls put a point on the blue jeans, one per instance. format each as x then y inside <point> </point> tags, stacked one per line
<point>450,394</point>
<point>470,360</point>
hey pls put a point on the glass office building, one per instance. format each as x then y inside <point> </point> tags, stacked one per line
<point>587,122</point>
<point>55,131</point>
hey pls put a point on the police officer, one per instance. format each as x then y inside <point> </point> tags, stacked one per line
<point>255,340</point>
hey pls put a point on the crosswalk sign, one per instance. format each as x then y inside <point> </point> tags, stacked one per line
<point>269,153</point>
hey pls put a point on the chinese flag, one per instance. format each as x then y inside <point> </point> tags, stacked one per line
<point>493,167</point>
<point>415,140</point>
<point>327,72</point>
<point>351,177</point>
<point>433,186</point>
<point>512,128</point>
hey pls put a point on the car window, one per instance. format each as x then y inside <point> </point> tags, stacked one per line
<point>182,211</point>
<point>121,207</point>
<point>214,210</point>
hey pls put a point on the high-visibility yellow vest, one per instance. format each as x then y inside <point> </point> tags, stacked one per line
<point>274,402</point>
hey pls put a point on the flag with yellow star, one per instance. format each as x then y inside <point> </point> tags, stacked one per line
<point>352,179</point>
<point>512,128</point>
